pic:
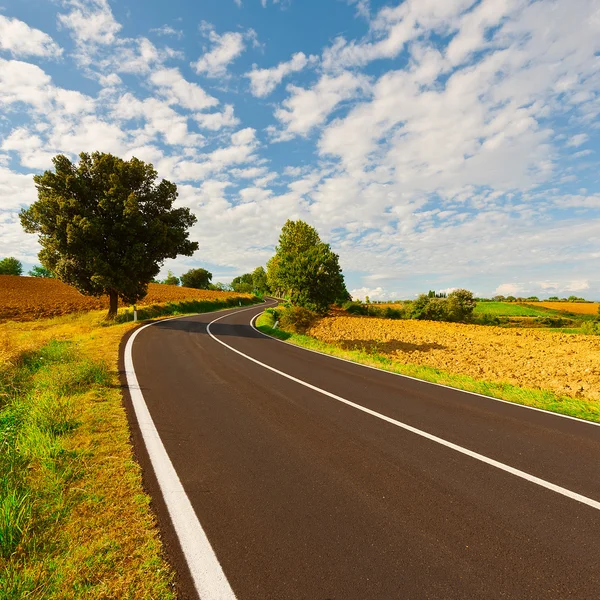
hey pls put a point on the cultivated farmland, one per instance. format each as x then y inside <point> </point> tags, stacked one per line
<point>532,358</point>
<point>579,308</point>
<point>30,298</point>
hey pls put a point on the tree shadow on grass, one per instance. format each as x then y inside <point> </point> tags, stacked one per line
<point>389,347</point>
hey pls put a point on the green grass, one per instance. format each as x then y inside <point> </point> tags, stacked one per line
<point>51,516</point>
<point>184,307</point>
<point>509,309</point>
<point>538,398</point>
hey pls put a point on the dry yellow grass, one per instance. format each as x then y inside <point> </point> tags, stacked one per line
<point>580,308</point>
<point>565,364</point>
<point>107,545</point>
<point>31,298</point>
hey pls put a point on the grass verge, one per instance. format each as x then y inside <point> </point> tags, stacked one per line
<point>75,521</point>
<point>538,398</point>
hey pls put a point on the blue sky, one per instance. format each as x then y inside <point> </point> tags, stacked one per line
<point>433,144</point>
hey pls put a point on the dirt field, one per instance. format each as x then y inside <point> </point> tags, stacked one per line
<point>580,308</point>
<point>30,298</point>
<point>533,358</point>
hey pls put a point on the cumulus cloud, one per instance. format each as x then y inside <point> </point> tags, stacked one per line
<point>264,81</point>
<point>21,40</point>
<point>224,50</point>
<point>306,108</point>
<point>179,91</point>
<point>218,120</point>
<point>90,21</point>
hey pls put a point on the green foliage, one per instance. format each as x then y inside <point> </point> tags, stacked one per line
<point>106,226</point>
<point>171,279</point>
<point>220,287</point>
<point>591,328</point>
<point>10,266</point>
<point>553,299</point>
<point>184,307</point>
<point>460,305</point>
<point>243,284</point>
<point>39,271</point>
<point>198,279</point>
<point>305,270</point>
<point>296,319</point>
<point>259,281</point>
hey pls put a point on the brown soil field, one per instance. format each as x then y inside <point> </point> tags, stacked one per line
<point>532,358</point>
<point>580,308</point>
<point>30,298</point>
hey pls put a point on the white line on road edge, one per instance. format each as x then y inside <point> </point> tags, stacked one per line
<point>448,387</point>
<point>208,576</point>
<point>490,461</point>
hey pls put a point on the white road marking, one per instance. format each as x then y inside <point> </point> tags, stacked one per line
<point>490,461</point>
<point>448,387</point>
<point>208,576</point>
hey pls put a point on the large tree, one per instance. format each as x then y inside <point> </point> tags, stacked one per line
<point>196,278</point>
<point>10,266</point>
<point>305,269</point>
<point>106,226</point>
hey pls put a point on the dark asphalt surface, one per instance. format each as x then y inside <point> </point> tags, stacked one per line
<point>303,497</point>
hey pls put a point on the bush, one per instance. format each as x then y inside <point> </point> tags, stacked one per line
<point>461,305</point>
<point>591,327</point>
<point>355,308</point>
<point>296,319</point>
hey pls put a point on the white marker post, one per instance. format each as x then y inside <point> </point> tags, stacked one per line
<point>134,313</point>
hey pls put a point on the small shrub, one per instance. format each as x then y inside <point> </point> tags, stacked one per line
<point>355,308</point>
<point>296,319</point>
<point>591,328</point>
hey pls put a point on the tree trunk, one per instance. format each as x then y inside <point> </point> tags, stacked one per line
<point>114,300</point>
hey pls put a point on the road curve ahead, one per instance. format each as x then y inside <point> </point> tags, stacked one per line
<point>314,478</point>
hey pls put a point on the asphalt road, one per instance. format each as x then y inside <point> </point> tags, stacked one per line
<point>303,496</point>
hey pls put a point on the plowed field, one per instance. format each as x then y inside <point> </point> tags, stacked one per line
<point>580,308</point>
<point>533,358</point>
<point>29,298</point>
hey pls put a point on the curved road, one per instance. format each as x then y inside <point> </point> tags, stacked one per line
<point>314,478</point>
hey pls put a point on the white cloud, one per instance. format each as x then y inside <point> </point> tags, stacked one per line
<point>177,90</point>
<point>225,49</point>
<point>160,119</point>
<point>216,121</point>
<point>576,140</point>
<point>377,293</point>
<point>264,81</point>
<point>90,21</point>
<point>21,40</point>
<point>27,83</point>
<point>168,30</point>
<point>308,108</point>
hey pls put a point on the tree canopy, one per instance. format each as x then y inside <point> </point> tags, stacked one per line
<point>170,279</point>
<point>305,269</point>
<point>39,271</point>
<point>106,226</point>
<point>196,278</point>
<point>10,266</point>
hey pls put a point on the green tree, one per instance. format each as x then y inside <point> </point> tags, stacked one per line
<point>196,278</point>
<point>461,305</point>
<point>106,226</point>
<point>259,281</point>
<point>243,284</point>
<point>171,279</point>
<point>39,271</point>
<point>306,269</point>
<point>10,266</point>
